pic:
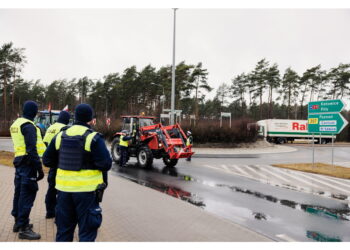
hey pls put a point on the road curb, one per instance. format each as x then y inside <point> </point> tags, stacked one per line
<point>225,156</point>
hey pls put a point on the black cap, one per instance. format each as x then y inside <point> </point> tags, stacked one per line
<point>83,113</point>
<point>30,109</point>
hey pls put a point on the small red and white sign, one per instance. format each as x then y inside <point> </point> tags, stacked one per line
<point>108,121</point>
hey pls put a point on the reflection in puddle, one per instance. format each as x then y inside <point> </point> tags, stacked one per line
<point>331,213</point>
<point>172,191</point>
<point>317,236</point>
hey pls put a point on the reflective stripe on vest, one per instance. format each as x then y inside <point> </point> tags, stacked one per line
<point>19,144</point>
<point>85,180</point>
<point>188,142</point>
<point>122,142</point>
<point>53,130</point>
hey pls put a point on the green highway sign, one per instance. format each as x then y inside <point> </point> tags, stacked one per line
<point>327,106</point>
<point>326,123</point>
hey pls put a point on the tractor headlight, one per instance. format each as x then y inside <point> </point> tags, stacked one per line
<point>160,145</point>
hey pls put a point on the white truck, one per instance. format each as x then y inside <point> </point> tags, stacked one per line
<point>282,131</point>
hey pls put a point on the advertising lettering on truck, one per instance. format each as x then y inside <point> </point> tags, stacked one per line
<point>284,130</point>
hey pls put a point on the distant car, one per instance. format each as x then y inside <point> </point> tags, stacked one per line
<point>45,119</point>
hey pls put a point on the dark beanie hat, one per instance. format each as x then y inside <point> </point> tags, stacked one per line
<point>30,109</point>
<point>83,113</point>
<point>63,117</point>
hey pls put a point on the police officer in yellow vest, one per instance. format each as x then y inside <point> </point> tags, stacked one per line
<point>189,142</point>
<point>82,161</point>
<point>124,148</point>
<point>54,129</point>
<point>28,148</point>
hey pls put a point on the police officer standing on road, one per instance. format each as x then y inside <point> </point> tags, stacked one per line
<point>82,161</point>
<point>28,147</point>
<point>123,147</point>
<point>54,129</point>
<point>189,142</point>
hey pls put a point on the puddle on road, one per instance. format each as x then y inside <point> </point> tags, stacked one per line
<point>317,236</point>
<point>331,213</point>
<point>172,191</point>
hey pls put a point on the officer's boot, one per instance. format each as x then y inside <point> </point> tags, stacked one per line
<point>26,233</point>
<point>16,227</point>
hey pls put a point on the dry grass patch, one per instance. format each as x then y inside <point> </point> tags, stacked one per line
<point>6,158</point>
<point>318,168</point>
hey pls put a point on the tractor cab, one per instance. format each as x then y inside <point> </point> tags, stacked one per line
<point>132,124</point>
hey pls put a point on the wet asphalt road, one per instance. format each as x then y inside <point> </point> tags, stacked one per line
<point>279,213</point>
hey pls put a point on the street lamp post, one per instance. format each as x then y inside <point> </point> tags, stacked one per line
<point>173,74</point>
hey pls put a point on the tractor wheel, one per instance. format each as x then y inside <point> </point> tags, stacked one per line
<point>145,157</point>
<point>115,150</point>
<point>170,162</point>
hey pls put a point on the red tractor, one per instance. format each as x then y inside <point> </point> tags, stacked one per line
<point>152,141</point>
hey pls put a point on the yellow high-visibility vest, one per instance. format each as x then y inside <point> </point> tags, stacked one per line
<point>53,130</point>
<point>85,180</point>
<point>19,144</point>
<point>122,142</point>
<point>188,142</point>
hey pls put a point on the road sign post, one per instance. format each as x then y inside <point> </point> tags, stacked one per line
<point>324,117</point>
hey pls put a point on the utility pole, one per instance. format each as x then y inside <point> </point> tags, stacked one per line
<point>172,113</point>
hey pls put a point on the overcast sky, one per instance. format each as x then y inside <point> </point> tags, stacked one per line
<point>94,42</point>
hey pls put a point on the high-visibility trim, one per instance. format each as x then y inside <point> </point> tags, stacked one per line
<point>76,130</point>
<point>53,130</point>
<point>18,138</point>
<point>88,141</point>
<point>78,181</point>
<point>122,142</point>
<point>76,189</point>
<point>81,173</point>
<point>58,140</point>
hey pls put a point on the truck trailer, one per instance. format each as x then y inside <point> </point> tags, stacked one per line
<point>281,131</point>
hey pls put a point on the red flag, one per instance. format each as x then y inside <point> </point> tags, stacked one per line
<point>49,109</point>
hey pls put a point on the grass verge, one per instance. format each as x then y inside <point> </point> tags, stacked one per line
<point>6,159</point>
<point>318,168</point>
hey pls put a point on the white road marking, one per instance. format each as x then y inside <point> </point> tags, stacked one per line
<point>260,175</point>
<point>322,182</point>
<point>285,237</point>
<point>333,180</point>
<point>226,168</point>
<point>218,168</point>
<point>242,171</point>
<point>273,174</point>
<point>286,172</point>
